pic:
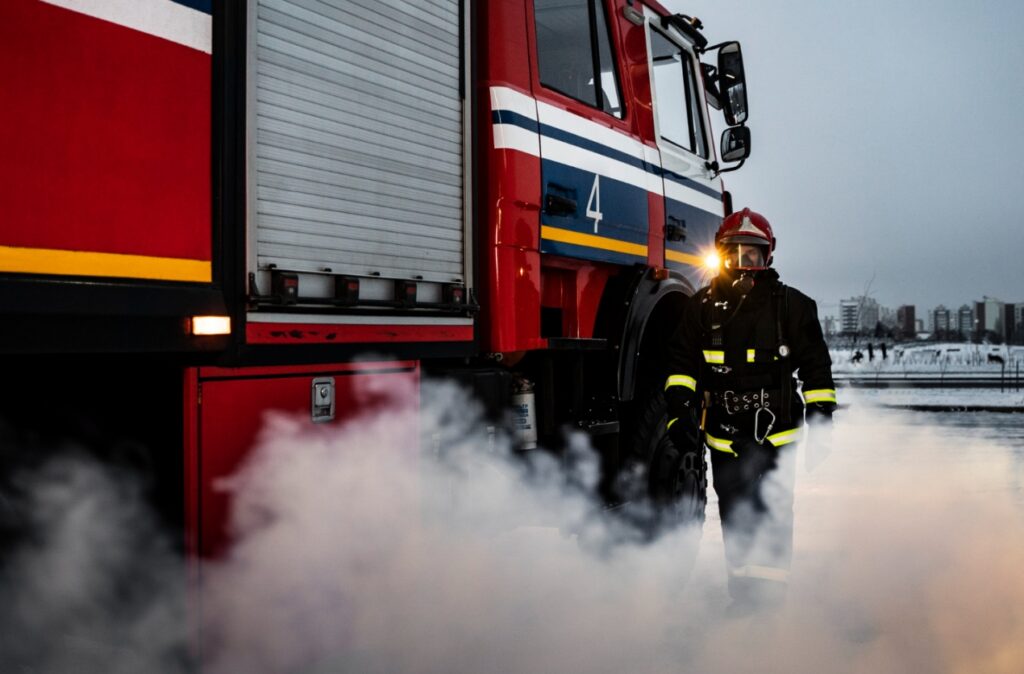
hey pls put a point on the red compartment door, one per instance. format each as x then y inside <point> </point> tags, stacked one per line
<point>226,410</point>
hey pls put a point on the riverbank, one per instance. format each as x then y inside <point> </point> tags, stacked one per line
<point>879,379</point>
<point>934,399</point>
<point>931,365</point>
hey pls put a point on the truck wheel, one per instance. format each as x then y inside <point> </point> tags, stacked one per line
<point>675,479</point>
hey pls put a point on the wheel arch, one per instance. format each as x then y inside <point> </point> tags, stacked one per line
<point>652,313</point>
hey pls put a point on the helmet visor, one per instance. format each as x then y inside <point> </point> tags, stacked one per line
<point>742,256</point>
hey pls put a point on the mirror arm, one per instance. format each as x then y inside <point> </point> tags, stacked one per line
<point>732,168</point>
<point>709,74</point>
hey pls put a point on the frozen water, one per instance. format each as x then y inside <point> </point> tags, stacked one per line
<point>952,397</point>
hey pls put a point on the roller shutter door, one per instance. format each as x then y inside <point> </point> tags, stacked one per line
<point>357,138</point>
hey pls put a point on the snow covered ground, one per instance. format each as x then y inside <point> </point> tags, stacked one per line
<point>932,358</point>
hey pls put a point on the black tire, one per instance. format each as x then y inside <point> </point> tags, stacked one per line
<point>671,480</point>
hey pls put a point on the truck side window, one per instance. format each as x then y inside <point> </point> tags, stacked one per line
<point>574,51</point>
<point>675,89</point>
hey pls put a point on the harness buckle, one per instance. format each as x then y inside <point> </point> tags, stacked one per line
<point>726,397</point>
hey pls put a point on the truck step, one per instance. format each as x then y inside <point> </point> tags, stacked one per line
<point>577,344</point>
<point>595,428</point>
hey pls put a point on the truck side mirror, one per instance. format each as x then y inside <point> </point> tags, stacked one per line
<point>732,83</point>
<point>735,143</point>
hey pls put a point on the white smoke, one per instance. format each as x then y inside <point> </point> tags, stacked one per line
<point>94,586</point>
<point>380,559</point>
<point>356,551</point>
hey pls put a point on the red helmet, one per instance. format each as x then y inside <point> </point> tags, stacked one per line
<point>747,227</point>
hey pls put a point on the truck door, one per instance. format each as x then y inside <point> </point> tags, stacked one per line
<point>693,193</point>
<point>594,186</point>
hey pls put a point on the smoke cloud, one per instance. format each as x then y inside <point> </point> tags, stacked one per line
<point>92,584</point>
<point>357,551</point>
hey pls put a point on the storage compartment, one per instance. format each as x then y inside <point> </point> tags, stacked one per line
<point>226,409</point>
<point>357,133</point>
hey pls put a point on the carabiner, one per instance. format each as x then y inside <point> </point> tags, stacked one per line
<point>757,419</point>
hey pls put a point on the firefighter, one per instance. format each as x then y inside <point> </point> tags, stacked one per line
<point>731,385</point>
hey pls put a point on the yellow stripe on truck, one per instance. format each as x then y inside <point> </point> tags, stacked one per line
<point>592,241</point>
<point>683,258</point>
<point>115,265</point>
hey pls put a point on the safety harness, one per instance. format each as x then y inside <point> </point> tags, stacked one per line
<point>744,389</point>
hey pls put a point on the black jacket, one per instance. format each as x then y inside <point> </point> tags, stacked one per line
<point>761,341</point>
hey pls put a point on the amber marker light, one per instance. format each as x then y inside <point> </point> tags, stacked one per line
<point>210,325</point>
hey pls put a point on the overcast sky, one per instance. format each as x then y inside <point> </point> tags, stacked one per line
<point>888,143</point>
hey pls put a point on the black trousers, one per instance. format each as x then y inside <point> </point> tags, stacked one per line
<point>755,501</point>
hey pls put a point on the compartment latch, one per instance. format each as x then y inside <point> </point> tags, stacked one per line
<point>323,400</point>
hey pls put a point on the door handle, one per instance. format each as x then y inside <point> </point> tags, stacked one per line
<point>675,229</point>
<point>558,205</point>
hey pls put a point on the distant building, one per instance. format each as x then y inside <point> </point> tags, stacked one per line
<point>906,321</point>
<point>829,326</point>
<point>965,321</point>
<point>918,325</point>
<point>1018,323</point>
<point>989,314</point>
<point>858,315</point>
<point>1009,323</point>
<point>940,320</point>
<point>870,314</point>
<point>887,317</point>
<point>849,312</point>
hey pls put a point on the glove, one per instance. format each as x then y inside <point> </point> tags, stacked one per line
<point>819,441</point>
<point>683,433</point>
<point>820,413</point>
<point>684,429</point>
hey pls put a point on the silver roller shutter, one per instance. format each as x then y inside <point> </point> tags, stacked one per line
<point>356,138</point>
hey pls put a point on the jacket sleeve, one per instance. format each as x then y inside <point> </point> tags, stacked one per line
<point>683,366</point>
<point>810,352</point>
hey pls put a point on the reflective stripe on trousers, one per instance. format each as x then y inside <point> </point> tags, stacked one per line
<point>777,439</point>
<point>757,572</point>
<point>755,504</point>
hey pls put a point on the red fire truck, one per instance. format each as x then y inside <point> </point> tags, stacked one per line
<point>214,209</point>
